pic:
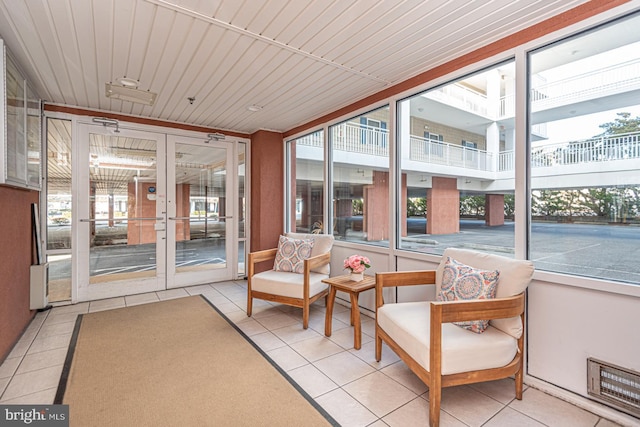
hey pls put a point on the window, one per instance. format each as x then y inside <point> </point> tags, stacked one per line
<point>360,154</point>
<point>452,189</point>
<point>306,181</point>
<point>585,151</point>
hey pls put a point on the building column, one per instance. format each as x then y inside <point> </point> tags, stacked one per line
<point>494,210</point>
<point>183,205</point>
<point>443,206</point>
<point>376,207</point>
<point>139,231</point>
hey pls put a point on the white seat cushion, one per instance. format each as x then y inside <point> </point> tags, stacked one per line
<point>287,284</point>
<point>462,351</point>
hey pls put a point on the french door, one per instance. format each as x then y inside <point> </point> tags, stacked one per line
<point>153,212</point>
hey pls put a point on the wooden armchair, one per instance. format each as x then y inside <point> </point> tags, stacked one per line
<point>443,354</point>
<point>298,290</point>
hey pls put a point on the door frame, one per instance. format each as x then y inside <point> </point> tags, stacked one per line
<point>178,280</point>
<point>81,219</point>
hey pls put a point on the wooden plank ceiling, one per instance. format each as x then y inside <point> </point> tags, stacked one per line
<point>298,59</point>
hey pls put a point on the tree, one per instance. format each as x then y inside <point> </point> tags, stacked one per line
<point>622,124</point>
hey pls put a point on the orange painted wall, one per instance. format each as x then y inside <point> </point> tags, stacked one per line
<point>267,198</point>
<point>16,256</point>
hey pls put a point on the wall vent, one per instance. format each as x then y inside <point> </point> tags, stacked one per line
<point>612,384</point>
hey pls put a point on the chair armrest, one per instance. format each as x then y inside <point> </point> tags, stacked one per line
<point>402,278</point>
<point>264,255</point>
<point>259,256</point>
<point>484,309</point>
<point>317,261</point>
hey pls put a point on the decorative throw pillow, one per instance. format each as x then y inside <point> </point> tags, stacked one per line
<point>291,254</point>
<point>462,282</point>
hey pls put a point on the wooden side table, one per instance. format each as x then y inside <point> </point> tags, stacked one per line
<point>345,284</point>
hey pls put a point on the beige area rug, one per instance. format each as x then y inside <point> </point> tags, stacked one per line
<point>176,363</point>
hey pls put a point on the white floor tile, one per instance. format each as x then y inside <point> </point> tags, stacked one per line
<point>343,368</point>
<point>106,304</point>
<point>32,382</point>
<point>552,411</point>
<point>46,343</point>
<point>468,405</point>
<point>277,321</point>
<point>172,294</point>
<point>368,354</point>
<point>267,341</point>
<point>416,413</point>
<point>56,329</point>
<point>379,393</point>
<point>347,411</point>
<point>251,327</point>
<point>504,390</point>
<point>314,382</point>
<point>401,373</point>
<point>79,308</point>
<point>508,417</point>
<point>45,359</point>
<point>316,348</point>
<point>294,333</point>
<point>9,367</point>
<point>287,358</point>
<point>147,298</point>
<point>44,397</point>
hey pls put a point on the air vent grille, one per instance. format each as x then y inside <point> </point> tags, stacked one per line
<point>614,385</point>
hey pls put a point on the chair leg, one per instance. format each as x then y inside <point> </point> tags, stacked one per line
<point>435,394</point>
<point>378,346</point>
<point>519,380</point>
<point>249,304</point>
<point>305,316</point>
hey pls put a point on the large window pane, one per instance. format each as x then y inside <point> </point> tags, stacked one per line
<point>585,172</point>
<point>360,151</point>
<point>456,146</point>
<point>306,158</point>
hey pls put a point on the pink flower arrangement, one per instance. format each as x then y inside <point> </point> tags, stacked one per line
<point>357,263</point>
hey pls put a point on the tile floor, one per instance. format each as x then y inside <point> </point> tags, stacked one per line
<point>354,388</point>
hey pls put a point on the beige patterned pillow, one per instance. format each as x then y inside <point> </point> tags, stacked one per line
<point>291,254</point>
<point>462,282</point>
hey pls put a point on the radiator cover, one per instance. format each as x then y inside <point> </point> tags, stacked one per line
<point>614,385</point>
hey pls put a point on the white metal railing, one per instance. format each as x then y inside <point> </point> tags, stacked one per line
<point>607,80</point>
<point>424,150</point>
<point>602,149</point>
<point>313,140</point>
<point>462,97</point>
<point>354,138</point>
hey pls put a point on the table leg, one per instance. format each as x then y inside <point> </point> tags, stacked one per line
<point>355,315</point>
<point>331,298</point>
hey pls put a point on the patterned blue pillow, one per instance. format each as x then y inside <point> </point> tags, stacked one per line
<point>291,254</point>
<point>462,282</point>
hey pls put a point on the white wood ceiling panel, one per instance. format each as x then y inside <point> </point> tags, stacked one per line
<point>283,19</point>
<point>296,26</point>
<point>28,49</point>
<point>267,15</point>
<point>49,38</point>
<point>224,70</point>
<point>195,76</point>
<point>349,30</point>
<point>252,70</point>
<point>81,20</point>
<point>187,58</point>
<point>246,86</point>
<point>101,22</point>
<point>299,59</point>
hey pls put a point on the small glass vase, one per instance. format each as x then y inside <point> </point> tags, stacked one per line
<point>357,277</point>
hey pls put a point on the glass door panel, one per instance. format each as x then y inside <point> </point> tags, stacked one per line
<point>122,224</point>
<point>200,212</point>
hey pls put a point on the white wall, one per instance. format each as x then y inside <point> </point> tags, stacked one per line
<point>567,324</point>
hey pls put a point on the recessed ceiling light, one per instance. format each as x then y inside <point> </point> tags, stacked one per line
<point>127,82</point>
<point>254,108</point>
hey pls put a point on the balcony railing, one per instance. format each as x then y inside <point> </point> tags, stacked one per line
<point>603,149</point>
<point>424,150</point>
<point>617,78</point>
<point>360,139</point>
<point>462,97</point>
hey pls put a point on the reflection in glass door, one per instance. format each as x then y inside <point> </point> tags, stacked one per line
<point>200,215</point>
<point>121,213</point>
